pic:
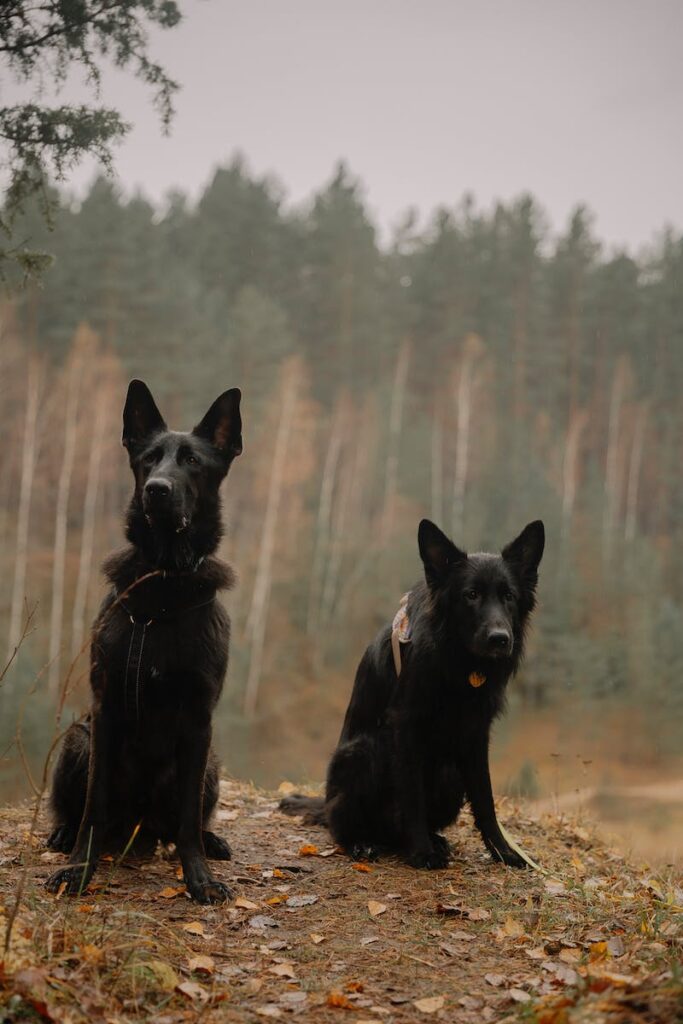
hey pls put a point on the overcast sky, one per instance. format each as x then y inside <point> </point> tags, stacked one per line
<point>573,101</point>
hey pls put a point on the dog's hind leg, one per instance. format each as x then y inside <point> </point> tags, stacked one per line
<point>215,847</point>
<point>310,808</point>
<point>353,810</point>
<point>69,785</point>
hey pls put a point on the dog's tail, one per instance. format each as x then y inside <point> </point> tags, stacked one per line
<point>310,808</point>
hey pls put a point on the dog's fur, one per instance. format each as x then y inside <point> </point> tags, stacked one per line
<point>413,748</point>
<point>143,755</point>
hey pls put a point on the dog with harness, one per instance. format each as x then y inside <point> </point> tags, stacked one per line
<point>140,768</point>
<point>415,741</point>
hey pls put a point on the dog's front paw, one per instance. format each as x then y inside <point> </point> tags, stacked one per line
<point>363,851</point>
<point>430,857</point>
<point>202,886</point>
<point>62,839</point>
<point>506,855</point>
<point>75,878</point>
<point>441,844</point>
<point>216,848</point>
<point>211,891</point>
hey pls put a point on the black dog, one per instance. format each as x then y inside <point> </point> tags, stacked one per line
<point>415,745</point>
<point>141,766</point>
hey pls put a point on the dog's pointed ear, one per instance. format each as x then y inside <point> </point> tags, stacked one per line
<point>524,553</point>
<point>438,553</point>
<point>140,415</point>
<point>222,425</point>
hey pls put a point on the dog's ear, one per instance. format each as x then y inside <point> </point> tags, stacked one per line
<point>140,415</point>
<point>526,551</point>
<point>222,425</point>
<point>438,553</point>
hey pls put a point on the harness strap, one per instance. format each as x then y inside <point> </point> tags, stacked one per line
<point>401,632</point>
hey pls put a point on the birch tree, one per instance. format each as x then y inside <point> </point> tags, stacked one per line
<point>28,463</point>
<point>258,613</point>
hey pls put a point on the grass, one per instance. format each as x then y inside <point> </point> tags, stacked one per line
<point>595,937</point>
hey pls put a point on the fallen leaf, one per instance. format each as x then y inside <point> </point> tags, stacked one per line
<point>355,986</point>
<point>269,1010</point>
<point>317,938</point>
<point>496,980</point>
<point>286,788</point>
<point>273,901</point>
<point>570,956</point>
<point>244,904</point>
<point>283,970</point>
<point>278,874</point>
<point>519,995</point>
<point>513,928</point>
<point>261,921</point>
<point>92,954</point>
<point>165,975</point>
<point>193,927</point>
<point>308,850</point>
<point>193,991</point>
<point>171,891</point>
<point>361,866</point>
<point>616,947</point>
<point>201,964</point>
<point>479,914</point>
<point>597,951</point>
<point>301,901</point>
<point>555,887</point>
<point>430,1004</point>
<point>339,1000</point>
<point>376,908</point>
<point>86,908</point>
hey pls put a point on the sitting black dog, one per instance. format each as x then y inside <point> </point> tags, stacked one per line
<point>415,740</point>
<point>140,767</point>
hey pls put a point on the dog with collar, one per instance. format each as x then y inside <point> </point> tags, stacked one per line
<point>415,741</point>
<point>140,767</point>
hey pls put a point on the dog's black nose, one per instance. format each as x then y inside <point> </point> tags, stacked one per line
<point>499,640</point>
<point>158,489</point>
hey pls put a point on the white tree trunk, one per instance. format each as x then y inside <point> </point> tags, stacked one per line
<point>462,437</point>
<point>28,463</point>
<point>612,481</point>
<point>635,464</point>
<point>437,466</point>
<point>395,423</point>
<point>570,470</point>
<point>78,627</point>
<point>258,613</point>
<point>324,518</point>
<point>61,513</point>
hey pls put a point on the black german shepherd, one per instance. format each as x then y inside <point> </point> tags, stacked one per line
<point>141,764</point>
<point>415,745</point>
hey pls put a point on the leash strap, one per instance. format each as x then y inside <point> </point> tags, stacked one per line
<point>131,693</point>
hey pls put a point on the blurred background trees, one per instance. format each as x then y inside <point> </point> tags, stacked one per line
<point>477,369</point>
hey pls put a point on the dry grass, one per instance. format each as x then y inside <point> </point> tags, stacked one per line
<point>595,938</point>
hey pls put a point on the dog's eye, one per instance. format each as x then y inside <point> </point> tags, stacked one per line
<point>192,461</point>
<point>472,594</point>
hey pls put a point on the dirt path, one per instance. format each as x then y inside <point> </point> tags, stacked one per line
<point>313,936</point>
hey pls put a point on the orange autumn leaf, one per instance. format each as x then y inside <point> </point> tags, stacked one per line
<point>274,900</point>
<point>85,908</point>
<point>169,892</point>
<point>339,1000</point>
<point>308,850</point>
<point>360,866</point>
<point>355,986</point>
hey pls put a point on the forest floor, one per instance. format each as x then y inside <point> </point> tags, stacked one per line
<point>592,938</point>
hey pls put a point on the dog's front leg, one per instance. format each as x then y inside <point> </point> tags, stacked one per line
<point>192,761</point>
<point>480,795</point>
<point>86,850</point>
